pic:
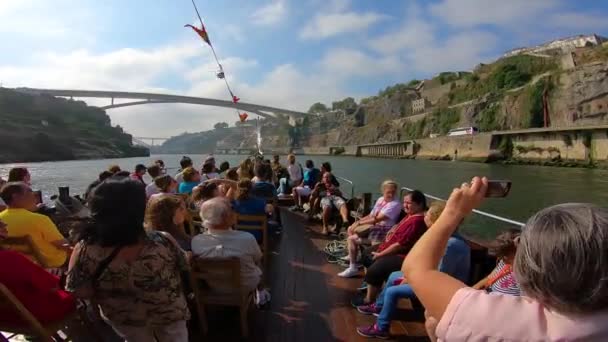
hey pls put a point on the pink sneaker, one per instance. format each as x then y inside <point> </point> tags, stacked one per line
<point>369,309</point>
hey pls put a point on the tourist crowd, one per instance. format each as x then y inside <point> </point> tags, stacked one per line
<point>132,256</point>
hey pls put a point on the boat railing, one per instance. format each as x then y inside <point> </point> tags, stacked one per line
<point>351,183</point>
<point>476,211</point>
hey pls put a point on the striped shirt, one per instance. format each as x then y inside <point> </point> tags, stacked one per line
<point>504,282</point>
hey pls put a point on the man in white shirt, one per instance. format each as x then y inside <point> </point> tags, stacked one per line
<point>220,241</point>
<point>154,171</point>
<point>185,163</point>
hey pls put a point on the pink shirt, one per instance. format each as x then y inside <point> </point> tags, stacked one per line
<point>474,315</point>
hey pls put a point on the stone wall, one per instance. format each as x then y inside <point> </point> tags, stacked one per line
<point>472,147</point>
<point>588,145</point>
<point>314,150</point>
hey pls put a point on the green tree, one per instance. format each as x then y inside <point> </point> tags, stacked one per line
<point>318,108</point>
<point>220,125</point>
<point>346,104</point>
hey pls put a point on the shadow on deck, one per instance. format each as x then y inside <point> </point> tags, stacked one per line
<point>309,302</point>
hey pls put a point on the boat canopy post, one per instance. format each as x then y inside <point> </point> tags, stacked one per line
<point>479,212</point>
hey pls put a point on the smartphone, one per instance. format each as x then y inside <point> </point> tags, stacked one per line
<point>498,188</point>
<point>38,195</point>
<point>64,195</point>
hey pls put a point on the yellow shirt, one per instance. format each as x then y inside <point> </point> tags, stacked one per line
<point>41,229</point>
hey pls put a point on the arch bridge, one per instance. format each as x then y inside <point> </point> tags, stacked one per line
<point>153,98</point>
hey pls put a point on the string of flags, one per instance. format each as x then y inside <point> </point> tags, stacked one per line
<point>202,32</point>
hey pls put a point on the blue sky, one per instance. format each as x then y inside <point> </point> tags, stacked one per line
<point>286,53</point>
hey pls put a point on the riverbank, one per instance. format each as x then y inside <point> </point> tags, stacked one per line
<point>562,147</point>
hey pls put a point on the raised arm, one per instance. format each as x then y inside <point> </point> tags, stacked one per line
<point>435,289</point>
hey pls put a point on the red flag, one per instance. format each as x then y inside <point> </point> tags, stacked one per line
<point>243,116</point>
<point>201,32</point>
<point>235,99</point>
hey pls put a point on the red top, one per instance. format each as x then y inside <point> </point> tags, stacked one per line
<point>406,233</point>
<point>35,288</point>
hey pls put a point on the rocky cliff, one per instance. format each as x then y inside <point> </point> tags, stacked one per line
<point>44,128</point>
<point>507,94</point>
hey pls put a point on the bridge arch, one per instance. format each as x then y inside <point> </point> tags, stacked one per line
<point>153,98</point>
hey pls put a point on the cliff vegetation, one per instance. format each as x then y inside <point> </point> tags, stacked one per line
<point>45,128</point>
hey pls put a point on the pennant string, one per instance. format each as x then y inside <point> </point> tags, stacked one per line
<point>205,36</point>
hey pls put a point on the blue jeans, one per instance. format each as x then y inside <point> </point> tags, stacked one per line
<point>388,300</point>
<point>284,186</point>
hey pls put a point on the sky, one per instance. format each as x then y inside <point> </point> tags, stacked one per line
<point>283,53</point>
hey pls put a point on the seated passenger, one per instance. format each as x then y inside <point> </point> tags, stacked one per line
<point>209,172</point>
<point>20,174</point>
<point>134,276</point>
<point>263,187</point>
<point>161,165</point>
<point>21,221</point>
<point>38,290</point>
<point>154,171</point>
<point>138,174</point>
<point>167,213</point>
<point>456,261</point>
<point>184,163</point>
<point>396,243</point>
<point>502,279</point>
<point>232,175</point>
<point>165,185</point>
<point>245,170</point>
<point>331,197</point>
<point>382,218</point>
<point>203,193</point>
<point>312,176</point>
<point>315,196</point>
<point>191,179</point>
<point>224,166</point>
<point>246,204</point>
<point>295,175</point>
<point>220,241</point>
<point>560,265</point>
<point>102,176</point>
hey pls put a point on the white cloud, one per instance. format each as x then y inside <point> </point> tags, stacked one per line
<point>459,52</point>
<point>271,14</point>
<point>469,13</point>
<point>413,34</point>
<point>420,46</point>
<point>584,22</point>
<point>328,25</point>
<point>351,62</point>
<point>124,69</point>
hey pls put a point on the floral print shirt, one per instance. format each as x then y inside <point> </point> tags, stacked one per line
<point>145,292</point>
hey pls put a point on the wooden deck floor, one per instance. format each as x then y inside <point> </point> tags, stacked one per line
<point>309,302</point>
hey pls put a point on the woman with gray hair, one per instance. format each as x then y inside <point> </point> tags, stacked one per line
<point>561,264</point>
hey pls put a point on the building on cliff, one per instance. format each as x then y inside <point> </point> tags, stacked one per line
<point>561,45</point>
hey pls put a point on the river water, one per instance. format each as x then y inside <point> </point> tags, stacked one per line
<point>534,187</point>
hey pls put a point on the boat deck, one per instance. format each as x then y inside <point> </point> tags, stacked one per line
<point>309,302</point>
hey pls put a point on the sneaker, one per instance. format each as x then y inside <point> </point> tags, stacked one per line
<point>363,287</point>
<point>262,297</point>
<point>349,273</point>
<point>294,208</point>
<point>358,301</point>
<point>373,332</point>
<point>370,309</point>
